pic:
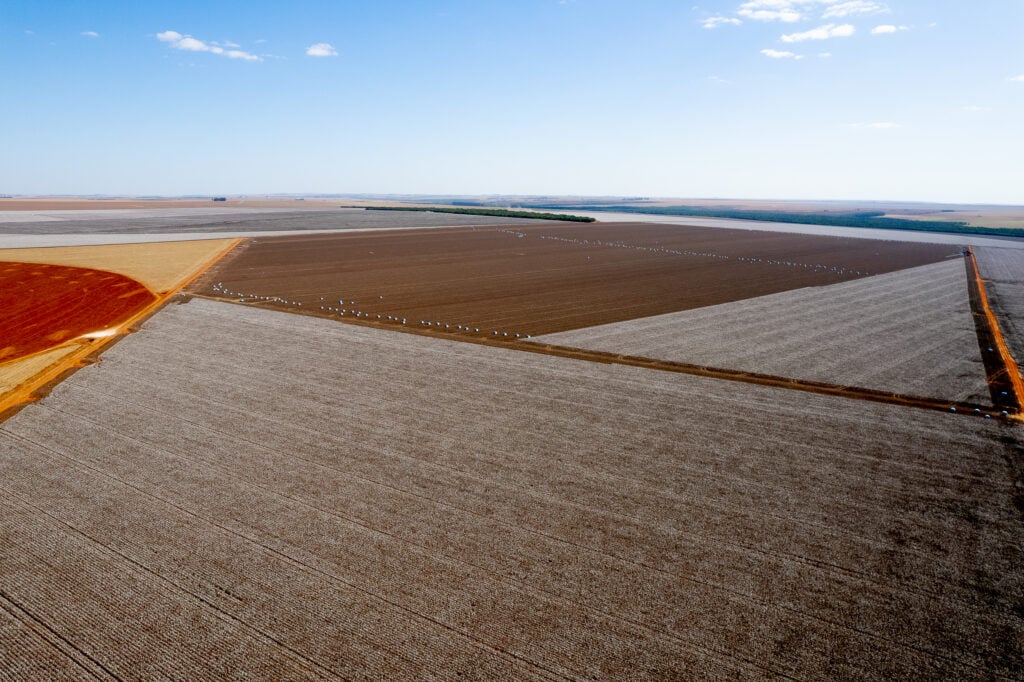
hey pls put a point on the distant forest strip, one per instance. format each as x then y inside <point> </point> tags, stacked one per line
<point>495,212</point>
<point>873,219</point>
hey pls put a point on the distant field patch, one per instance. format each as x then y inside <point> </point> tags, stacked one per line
<point>42,306</point>
<point>161,266</point>
<point>539,279</point>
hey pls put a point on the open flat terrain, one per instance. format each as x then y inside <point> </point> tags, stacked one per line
<point>537,279</point>
<point>909,332</point>
<point>241,492</point>
<point>227,219</point>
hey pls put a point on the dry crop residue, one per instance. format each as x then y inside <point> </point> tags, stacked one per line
<point>280,497</point>
<point>532,280</point>
<point>909,332</point>
<point>42,306</point>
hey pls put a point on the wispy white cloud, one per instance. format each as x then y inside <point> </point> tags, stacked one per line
<point>90,34</point>
<point>838,10</point>
<point>321,50</point>
<point>770,10</point>
<point>719,79</point>
<point>824,55</point>
<point>821,33</point>
<point>1016,79</point>
<point>29,32</point>
<point>190,44</point>
<point>888,28</point>
<point>715,22</point>
<point>880,125</point>
<point>781,54</point>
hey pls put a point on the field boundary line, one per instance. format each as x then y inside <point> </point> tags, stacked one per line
<point>34,388</point>
<point>1007,366</point>
<point>755,378</point>
<point>608,358</point>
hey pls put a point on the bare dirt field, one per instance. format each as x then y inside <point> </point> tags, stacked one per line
<point>42,306</point>
<point>533,280</point>
<point>237,492</point>
<point>909,332</point>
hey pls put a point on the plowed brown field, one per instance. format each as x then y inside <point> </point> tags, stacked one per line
<point>541,279</point>
<point>42,305</point>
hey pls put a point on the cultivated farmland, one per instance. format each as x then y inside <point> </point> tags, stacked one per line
<point>241,492</point>
<point>203,220</point>
<point>59,305</point>
<point>539,279</point>
<point>909,332</point>
<point>42,306</point>
<point>1003,270</point>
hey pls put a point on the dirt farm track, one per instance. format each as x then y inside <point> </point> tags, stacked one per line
<point>720,454</point>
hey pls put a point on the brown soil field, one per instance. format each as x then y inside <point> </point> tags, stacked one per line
<point>43,306</point>
<point>241,493</point>
<point>531,280</point>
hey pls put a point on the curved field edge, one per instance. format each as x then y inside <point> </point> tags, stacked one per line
<point>161,266</point>
<point>909,332</point>
<point>170,266</point>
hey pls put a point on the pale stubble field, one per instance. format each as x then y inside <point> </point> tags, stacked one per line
<point>282,496</point>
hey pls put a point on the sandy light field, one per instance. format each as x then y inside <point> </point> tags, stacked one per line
<point>161,266</point>
<point>909,332</point>
<point>243,492</point>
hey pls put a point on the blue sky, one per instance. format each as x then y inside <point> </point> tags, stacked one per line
<point>801,99</point>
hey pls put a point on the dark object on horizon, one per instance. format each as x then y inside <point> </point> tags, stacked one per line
<point>493,212</point>
<point>220,198</point>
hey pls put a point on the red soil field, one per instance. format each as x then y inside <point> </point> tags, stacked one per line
<point>42,306</point>
<point>540,279</point>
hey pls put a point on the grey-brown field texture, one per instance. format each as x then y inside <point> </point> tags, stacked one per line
<point>908,332</point>
<point>235,492</point>
<point>1003,271</point>
<point>184,220</point>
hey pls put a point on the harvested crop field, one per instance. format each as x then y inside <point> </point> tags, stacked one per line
<point>909,332</point>
<point>238,492</point>
<point>534,280</point>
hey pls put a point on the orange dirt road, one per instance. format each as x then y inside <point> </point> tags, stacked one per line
<point>1003,372</point>
<point>42,306</point>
